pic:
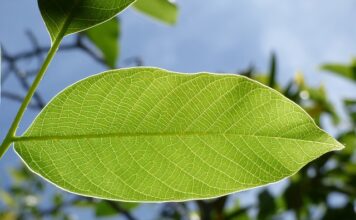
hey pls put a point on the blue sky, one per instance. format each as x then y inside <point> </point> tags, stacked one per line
<point>224,35</point>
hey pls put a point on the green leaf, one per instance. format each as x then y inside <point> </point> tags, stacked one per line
<point>351,109</point>
<point>106,208</point>
<point>103,209</point>
<point>267,205</point>
<point>163,10</point>
<point>7,199</point>
<point>347,71</point>
<point>349,141</point>
<point>273,71</point>
<point>147,134</point>
<point>106,38</point>
<point>63,17</point>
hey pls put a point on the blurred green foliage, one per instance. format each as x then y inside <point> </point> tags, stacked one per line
<point>163,10</point>
<point>324,189</point>
<point>308,195</point>
<point>106,39</point>
<point>344,70</point>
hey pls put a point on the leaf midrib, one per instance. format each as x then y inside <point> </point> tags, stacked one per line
<point>65,25</point>
<point>172,134</point>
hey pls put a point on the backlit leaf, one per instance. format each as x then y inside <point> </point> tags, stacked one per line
<point>163,10</point>
<point>344,70</point>
<point>106,38</point>
<point>63,17</point>
<point>146,134</point>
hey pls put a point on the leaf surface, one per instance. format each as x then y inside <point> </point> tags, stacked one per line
<point>63,17</point>
<point>106,38</point>
<point>147,134</point>
<point>162,10</point>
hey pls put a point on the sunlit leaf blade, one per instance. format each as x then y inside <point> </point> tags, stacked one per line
<point>163,10</point>
<point>344,70</point>
<point>106,38</point>
<point>146,134</point>
<point>63,17</point>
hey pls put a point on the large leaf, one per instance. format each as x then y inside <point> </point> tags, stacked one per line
<point>106,38</point>
<point>146,134</point>
<point>344,70</point>
<point>63,17</point>
<point>163,10</point>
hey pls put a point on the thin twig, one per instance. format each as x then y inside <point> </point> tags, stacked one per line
<point>37,52</point>
<point>21,76</point>
<point>18,98</point>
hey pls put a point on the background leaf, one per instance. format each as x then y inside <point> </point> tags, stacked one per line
<point>162,10</point>
<point>146,134</point>
<point>344,70</point>
<point>267,205</point>
<point>63,17</point>
<point>106,38</point>
<point>273,71</point>
<point>103,209</point>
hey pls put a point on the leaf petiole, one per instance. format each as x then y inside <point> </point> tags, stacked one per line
<point>15,124</point>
